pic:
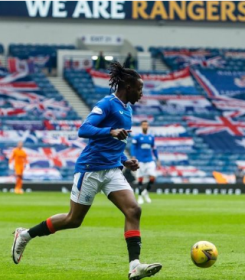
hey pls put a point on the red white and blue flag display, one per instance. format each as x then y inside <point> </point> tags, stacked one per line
<point>218,83</point>
<point>174,144</point>
<point>140,118</point>
<point>230,106</point>
<point>50,156</point>
<point>30,65</point>
<point>40,61</point>
<point>171,130</point>
<point>20,65</point>
<point>7,124</point>
<point>216,125</point>
<point>64,138</point>
<point>14,136</point>
<point>22,95</point>
<point>179,82</point>
<point>182,58</point>
<point>216,61</point>
<point>186,52</point>
<point>62,124</point>
<point>181,171</point>
<point>17,82</point>
<point>175,157</point>
<point>235,54</point>
<point>222,133</point>
<point>40,174</point>
<point>101,81</point>
<point>12,112</point>
<point>173,104</point>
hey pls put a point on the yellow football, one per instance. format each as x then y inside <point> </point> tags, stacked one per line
<point>204,254</point>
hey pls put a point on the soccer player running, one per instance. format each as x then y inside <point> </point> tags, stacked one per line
<point>142,148</point>
<point>99,168</point>
<point>19,157</point>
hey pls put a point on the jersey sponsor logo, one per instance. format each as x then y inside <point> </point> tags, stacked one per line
<point>97,110</point>
<point>145,146</point>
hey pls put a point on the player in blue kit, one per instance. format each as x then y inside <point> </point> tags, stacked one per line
<point>99,168</point>
<point>143,148</point>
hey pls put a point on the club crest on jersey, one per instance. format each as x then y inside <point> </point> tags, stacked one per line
<point>88,198</point>
<point>97,110</point>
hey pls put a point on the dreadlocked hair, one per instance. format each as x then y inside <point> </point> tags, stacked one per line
<point>120,75</point>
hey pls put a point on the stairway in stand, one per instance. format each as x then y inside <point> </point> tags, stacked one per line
<point>69,94</point>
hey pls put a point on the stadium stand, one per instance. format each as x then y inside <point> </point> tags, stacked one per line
<point>34,112</point>
<point>196,111</point>
<point>198,131</point>
<point>178,58</point>
<point>44,56</point>
<point>1,49</point>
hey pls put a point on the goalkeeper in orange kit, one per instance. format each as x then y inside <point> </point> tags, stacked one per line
<point>19,157</point>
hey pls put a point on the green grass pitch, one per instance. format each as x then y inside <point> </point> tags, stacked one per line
<point>97,250</point>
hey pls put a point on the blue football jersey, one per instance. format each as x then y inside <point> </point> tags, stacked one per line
<point>104,151</point>
<point>143,147</point>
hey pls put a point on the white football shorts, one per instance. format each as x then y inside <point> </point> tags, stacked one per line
<point>86,185</point>
<point>146,169</point>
